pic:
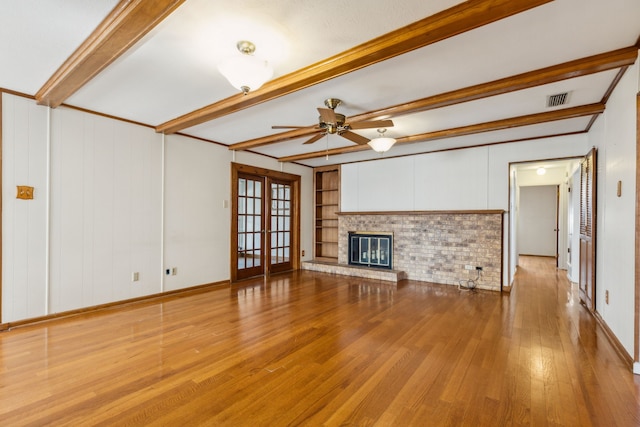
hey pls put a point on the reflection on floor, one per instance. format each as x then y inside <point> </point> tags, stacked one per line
<point>308,348</point>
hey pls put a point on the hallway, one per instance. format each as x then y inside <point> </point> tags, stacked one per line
<point>560,354</point>
<point>314,349</point>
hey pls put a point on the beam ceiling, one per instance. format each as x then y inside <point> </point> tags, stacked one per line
<point>448,23</point>
<point>572,69</point>
<point>513,122</point>
<point>127,23</point>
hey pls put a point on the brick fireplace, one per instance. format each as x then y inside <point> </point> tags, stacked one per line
<point>435,246</point>
<point>430,246</point>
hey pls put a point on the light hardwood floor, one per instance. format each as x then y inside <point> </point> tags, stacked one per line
<point>311,349</point>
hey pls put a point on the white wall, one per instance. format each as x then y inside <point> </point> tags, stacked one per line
<point>24,130</point>
<point>105,210</point>
<point>196,239</point>
<point>615,136</point>
<point>471,179</point>
<point>476,178</point>
<point>537,220</point>
<point>122,200</point>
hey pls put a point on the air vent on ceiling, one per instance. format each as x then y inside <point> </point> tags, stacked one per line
<point>557,99</point>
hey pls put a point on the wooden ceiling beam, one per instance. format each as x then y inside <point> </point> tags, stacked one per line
<point>461,18</point>
<point>577,68</point>
<point>513,122</point>
<point>127,23</point>
<point>279,137</point>
<point>555,73</point>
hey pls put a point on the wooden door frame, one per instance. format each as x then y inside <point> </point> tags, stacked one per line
<point>268,214</point>
<point>295,180</point>
<point>1,184</point>
<point>636,355</point>
<point>255,269</point>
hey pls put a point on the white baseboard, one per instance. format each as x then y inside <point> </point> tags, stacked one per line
<point>636,368</point>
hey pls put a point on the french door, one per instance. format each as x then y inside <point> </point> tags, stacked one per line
<point>250,222</point>
<point>279,231</point>
<point>265,223</point>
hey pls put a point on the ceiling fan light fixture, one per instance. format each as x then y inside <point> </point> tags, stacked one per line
<point>382,144</point>
<point>245,72</point>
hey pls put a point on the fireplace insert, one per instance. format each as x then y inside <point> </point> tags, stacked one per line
<point>371,249</point>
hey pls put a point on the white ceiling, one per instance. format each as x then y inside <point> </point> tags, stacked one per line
<point>172,70</point>
<point>557,172</point>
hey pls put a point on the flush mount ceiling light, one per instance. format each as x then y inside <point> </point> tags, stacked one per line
<point>245,71</point>
<point>541,171</point>
<point>382,144</point>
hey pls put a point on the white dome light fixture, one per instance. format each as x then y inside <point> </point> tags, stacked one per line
<point>382,144</point>
<point>245,72</point>
<point>541,170</point>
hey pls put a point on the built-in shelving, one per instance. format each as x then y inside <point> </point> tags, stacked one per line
<point>327,206</point>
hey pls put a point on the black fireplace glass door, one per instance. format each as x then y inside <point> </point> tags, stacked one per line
<point>370,250</point>
<point>384,252</point>
<point>375,254</point>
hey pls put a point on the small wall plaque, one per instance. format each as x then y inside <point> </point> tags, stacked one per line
<point>24,192</point>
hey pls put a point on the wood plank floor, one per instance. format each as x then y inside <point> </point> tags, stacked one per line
<point>311,349</point>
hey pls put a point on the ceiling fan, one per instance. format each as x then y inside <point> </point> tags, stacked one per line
<point>331,123</point>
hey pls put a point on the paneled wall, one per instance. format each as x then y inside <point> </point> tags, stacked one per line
<point>615,136</point>
<point>196,240</point>
<point>106,179</point>
<point>24,222</point>
<point>111,199</point>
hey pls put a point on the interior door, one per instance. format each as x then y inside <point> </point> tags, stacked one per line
<point>588,205</point>
<point>265,223</point>
<point>250,222</point>
<point>280,229</point>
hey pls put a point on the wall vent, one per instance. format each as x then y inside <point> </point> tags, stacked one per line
<point>557,99</point>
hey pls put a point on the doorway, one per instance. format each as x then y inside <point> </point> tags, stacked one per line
<point>265,221</point>
<point>554,174</point>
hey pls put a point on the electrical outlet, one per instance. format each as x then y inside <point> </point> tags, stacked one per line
<point>606,296</point>
<point>174,271</point>
<point>468,267</point>
<point>479,268</point>
<point>135,276</point>
<point>303,252</point>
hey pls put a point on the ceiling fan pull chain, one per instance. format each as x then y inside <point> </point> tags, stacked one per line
<point>327,156</point>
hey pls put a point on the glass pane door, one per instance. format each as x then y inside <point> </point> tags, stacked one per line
<point>265,218</point>
<point>250,227</point>
<point>280,226</point>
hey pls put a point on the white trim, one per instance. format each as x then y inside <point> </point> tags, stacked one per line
<point>636,368</point>
<point>47,233</point>
<point>162,209</point>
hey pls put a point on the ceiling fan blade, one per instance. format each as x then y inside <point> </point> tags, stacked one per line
<point>314,138</point>
<point>288,127</point>
<point>354,137</point>
<point>371,124</point>
<point>327,115</point>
